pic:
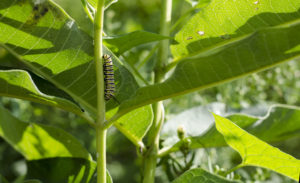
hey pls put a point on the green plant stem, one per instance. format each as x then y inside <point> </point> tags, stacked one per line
<point>150,158</point>
<point>100,130</point>
<point>153,143</point>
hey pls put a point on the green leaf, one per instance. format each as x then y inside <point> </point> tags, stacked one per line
<point>223,22</point>
<point>20,84</point>
<point>207,66</point>
<point>121,43</point>
<point>67,170</point>
<point>75,10</point>
<point>51,45</point>
<point>36,141</point>
<point>198,175</point>
<point>280,123</point>
<point>136,124</point>
<point>256,152</point>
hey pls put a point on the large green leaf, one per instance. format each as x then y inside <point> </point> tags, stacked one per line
<point>223,22</point>
<point>20,84</point>
<point>121,43</point>
<point>280,123</point>
<point>67,170</point>
<point>198,175</point>
<point>36,141</point>
<point>51,45</point>
<point>256,152</point>
<point>236,56</point>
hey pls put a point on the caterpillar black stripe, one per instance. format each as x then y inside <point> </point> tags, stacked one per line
<point>109,79</point>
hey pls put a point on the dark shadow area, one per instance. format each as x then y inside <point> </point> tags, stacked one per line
<point>60,170</point>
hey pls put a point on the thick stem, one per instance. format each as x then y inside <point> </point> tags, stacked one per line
<point>158,109</point>
<point>100,130</point>
<point>153,143</point>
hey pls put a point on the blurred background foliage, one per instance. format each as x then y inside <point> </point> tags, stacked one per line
<point>278,85</point>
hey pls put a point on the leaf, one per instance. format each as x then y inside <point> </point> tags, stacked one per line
<point>20,84</point>
<point>136,124</point>
<point>67,170</point>
<point>256,52</point>
<point>280,123</point>
<point>36,141</point>
<point>121,43</point>
<point>256,152</point>
<point>198,175</point>
<point>75,10</point>
<point>223,22</point>
<point>51,46</point>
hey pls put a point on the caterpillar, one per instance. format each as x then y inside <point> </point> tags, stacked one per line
<point>109,80</point>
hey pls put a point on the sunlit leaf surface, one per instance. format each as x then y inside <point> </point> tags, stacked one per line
<point>256,152</point>
<point>36,141</point>
<point>20,84</point>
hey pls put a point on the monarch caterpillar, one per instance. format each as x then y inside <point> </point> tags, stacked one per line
<point>109,79</point>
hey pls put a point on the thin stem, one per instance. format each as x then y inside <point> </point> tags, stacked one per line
<point>158,109</point>
<point>100,131</point>
<point>234,169</point>
<point>165,151</point>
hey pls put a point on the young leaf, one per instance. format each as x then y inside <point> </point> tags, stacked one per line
<point>67,170</point>
<point>256,152</point>
<point>36,141</point>
<point>121,43</point>
<point>198,175</point>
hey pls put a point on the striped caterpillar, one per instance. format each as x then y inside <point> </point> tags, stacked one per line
<point>109,79</point>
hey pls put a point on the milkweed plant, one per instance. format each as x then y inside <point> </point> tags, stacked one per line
<point>62,54</point>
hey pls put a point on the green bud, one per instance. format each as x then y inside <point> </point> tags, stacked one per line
<point>181,132</point>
